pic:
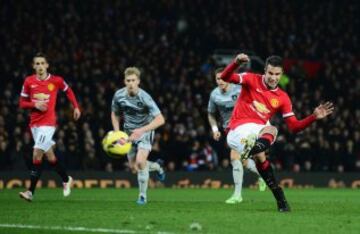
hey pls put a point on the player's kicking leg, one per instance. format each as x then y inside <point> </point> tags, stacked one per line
<point>238,174</point>
<point>248,143</point>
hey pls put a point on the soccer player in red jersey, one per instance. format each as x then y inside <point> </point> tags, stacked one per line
<point>259,100</point>
<point>39,94</point>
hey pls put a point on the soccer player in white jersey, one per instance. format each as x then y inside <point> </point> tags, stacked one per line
<point>140,116</point>
<point>222,100</point>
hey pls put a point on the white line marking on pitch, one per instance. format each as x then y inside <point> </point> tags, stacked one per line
<point>74,229</point>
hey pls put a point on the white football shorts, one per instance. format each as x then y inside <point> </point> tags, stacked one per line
<point>238,137</point>
<point>43,137</point>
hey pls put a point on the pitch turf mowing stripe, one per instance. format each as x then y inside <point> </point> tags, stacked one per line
<point>74,229</point>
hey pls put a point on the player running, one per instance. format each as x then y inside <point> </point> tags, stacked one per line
<point>39,94</point>
<point>259,100</point>
<point>141,116</point>
<point>222,100</point>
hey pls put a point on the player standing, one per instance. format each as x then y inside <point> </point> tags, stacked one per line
<point>259,100</point>
<point>141,117</point>
<point>222,100</point>
<point>39,94</point>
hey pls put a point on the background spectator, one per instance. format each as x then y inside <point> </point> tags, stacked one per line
<point>90,43</point>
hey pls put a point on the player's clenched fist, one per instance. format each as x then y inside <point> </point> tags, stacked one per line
<point>242,58</point>
<point>216,135</point>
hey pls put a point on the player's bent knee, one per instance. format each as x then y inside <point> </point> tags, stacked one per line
<point>234,155</point>
<point>140,165</point>
<point>51,158</point>
<point>38,154</point>
<point>269,130</point>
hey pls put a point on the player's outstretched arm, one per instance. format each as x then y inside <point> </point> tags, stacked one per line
<point>154,124</point>
<point>320,112</point>
<point>324,110</point>
<point>228,74</point>
<point>214,127</point>
<point>296,125</point>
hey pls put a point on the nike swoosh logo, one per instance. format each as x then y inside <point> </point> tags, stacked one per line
<point>259,91</point>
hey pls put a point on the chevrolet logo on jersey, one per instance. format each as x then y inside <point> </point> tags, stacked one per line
<point>261,108</point>
<point>41,96</point>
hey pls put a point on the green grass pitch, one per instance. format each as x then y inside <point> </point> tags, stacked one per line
<point>179,211</point>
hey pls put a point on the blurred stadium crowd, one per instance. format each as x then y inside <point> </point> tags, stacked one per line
<point>90,43</point>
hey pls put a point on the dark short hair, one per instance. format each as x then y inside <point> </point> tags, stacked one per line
<point>274,60</point>
<point>219,70</point>
<point>40,55</point>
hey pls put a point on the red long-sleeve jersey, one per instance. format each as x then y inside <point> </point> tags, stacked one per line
<point>36,90</point>
<point>257,103</point>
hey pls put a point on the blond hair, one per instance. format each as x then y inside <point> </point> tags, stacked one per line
<point>131,71</point>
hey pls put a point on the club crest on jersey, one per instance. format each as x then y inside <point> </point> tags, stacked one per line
<point>234,97</point>
<point>51,87</point>
<point>140,104</point>
<point>274,102</point>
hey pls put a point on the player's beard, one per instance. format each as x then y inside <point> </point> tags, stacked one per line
<point>271,86</point>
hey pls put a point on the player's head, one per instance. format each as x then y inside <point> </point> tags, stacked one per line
<point>40,64</point>
<point>132,79</point>
<point>221,84</point>
<point>273,71</point>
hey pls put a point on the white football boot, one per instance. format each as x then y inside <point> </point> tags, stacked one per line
<point>27,196</point>
<point>67,187</point>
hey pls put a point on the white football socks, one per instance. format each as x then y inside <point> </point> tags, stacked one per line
<point>251,166</point>
<point>238,174</point>
<point>143,180</point>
